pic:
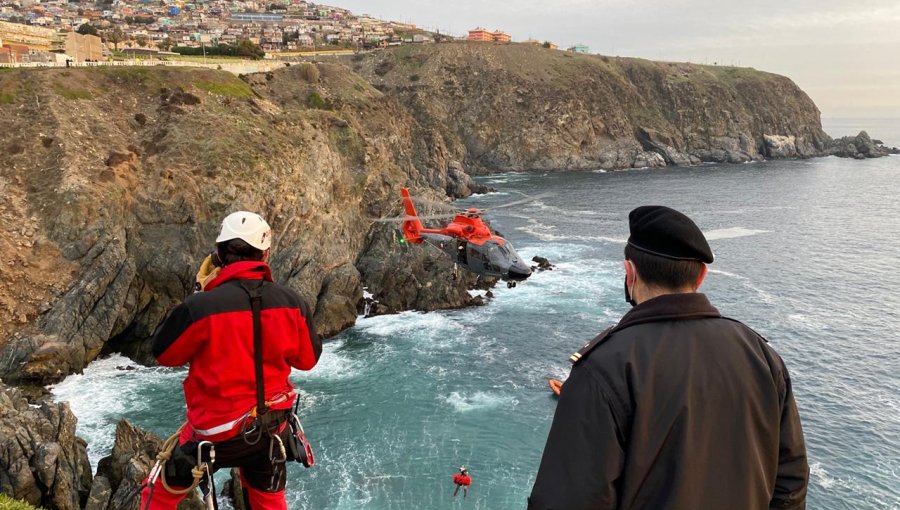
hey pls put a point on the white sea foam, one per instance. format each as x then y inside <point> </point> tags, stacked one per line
<point>333,365</point>
<point>488,194</point>
<point>107,390</point>
<point>731,233</point>
<point>764,296</point>
<point>408,323</point>
<point>820,476</point>
<point>547,233</point>
<point>479,400</point>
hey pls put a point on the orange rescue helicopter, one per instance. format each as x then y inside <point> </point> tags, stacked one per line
<point>468,242</point>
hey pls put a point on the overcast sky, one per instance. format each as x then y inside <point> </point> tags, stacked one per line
<point>845,55</point>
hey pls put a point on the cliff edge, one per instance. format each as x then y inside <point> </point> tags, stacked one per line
<point>504,107</point>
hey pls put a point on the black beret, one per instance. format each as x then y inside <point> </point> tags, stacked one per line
<point>665,232</point>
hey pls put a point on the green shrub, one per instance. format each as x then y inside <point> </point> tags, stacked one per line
<point>234,88</point>
<point>8,503</point>
<point>348,143</point>
<point>68,93</point>
<point>241,48</point>
<point>315,100</point>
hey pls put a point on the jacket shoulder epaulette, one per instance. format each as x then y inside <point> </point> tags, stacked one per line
<point>588,347</point>
<point>764,339</point>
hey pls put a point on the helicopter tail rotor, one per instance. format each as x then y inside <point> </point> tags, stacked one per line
<point>412,225</point>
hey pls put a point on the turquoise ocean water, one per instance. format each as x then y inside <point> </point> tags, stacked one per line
<point>807,253</point>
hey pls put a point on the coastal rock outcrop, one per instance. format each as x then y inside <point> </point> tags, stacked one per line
<point>522,107</point>
<point>42,461</point>
<point>120,475</point>
<point>411,277</point>
<point>113,195</point>
<point>861,146</point>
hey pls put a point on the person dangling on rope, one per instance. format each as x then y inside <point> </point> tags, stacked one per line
<point>462,479</point>
<point>242,335</point>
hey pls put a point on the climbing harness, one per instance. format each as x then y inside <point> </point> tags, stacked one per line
<point>201,469</point>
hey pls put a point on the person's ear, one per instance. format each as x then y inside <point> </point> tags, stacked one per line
<point>630,273</point>
<point>266,255</point>
<point>704,269</point>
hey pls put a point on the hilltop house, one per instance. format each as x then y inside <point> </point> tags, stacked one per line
<point>481,34</point>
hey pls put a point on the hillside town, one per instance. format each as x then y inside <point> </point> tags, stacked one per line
<point>61,31</point>
<point>280,26</point>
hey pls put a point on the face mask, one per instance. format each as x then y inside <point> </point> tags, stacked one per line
<point>628,297</point>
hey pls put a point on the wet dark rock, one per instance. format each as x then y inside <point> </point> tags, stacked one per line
<point>542,264</point>
<point>233,491</point>
<point>414,277</point>
<point>42,461</point>
<point>860,146</point>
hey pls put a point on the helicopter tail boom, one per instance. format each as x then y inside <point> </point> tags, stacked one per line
<point>412,226</point>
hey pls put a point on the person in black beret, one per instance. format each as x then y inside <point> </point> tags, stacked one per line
<point>675,407</point>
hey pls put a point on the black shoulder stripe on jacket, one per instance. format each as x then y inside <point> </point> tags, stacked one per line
<point>175,323</point>
<point>229,297</point>
<point>311,326</point>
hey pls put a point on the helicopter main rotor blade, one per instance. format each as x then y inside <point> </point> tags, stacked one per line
<point>412,218</point>
<point>518,202</point>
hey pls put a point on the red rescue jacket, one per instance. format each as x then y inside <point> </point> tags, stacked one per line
<point>213,331</point>
<point>461,479</point>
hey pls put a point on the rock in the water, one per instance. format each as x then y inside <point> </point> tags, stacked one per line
<point>127,466</point>
<point>860,146</point>
<point>416,277</point>
<point>42,461</point>
<point>233,491</point>
<point>542,264</point>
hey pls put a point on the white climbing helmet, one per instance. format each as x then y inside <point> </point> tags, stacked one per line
<point>248,227</point>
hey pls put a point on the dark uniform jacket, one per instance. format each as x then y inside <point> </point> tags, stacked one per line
<point>675,407</point>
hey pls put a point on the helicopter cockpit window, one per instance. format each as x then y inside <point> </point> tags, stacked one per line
<point>498,255</point>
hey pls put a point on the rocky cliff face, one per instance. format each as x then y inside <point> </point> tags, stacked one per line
<point>115,180</point>
<point>521,107</point>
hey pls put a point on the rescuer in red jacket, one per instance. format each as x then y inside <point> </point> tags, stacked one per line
<point>462,479</point>
<point>214,332</point>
